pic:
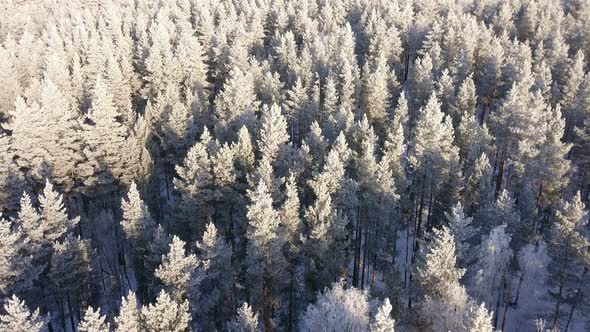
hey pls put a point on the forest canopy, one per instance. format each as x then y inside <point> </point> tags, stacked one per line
<point>310,165</point>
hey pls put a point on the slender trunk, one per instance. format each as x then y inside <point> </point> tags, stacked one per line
<point>495,317</point>
<point>166,175</point>
<point>504,315</point>
<point>290,322</point>
<point>266,307</point>
<point>418,227</point>
<point>539,194</point>
<point>62,314</point>
<point>364,258</point>
<point>515,303</point>
<point>428,226</point>
<point>407,254</point>
<point>500,173</point>
<point>357,251</point>
<point>558,304</point>
<point>569,317</point>
<point>70,311</point>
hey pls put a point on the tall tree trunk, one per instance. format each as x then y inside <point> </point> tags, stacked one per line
<point>71,312</point>
<point>558,304</point>
<point>290,322</point>
<point>357,249</point>
<point>500,173</point>
<point>428,226</point>
<point>364,257</point>
<point>569,317</point>
<point>266,307</point>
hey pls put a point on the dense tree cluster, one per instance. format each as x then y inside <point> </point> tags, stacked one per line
<point>313,165</point>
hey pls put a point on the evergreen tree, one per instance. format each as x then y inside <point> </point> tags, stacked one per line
<point>17,272</point>
<point>19,318</point>
<point>179,272</point>
<point>245,320</point>
<point>129,319</point>
<point>165,315</point>
<point>480,319</point>
<point>567,250</point>
<point>137,222</point>
<point>337,309</point>
<point>218,281</point>
<point>436,269</point>
<point>383,321</point>
<point>265,262</point>
<point>194,185</point>
<point>462,230</point>
<point>494,256</point>
<point>478,189</point>
<point>93,321</point>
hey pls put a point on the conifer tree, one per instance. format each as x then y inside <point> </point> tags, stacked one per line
<point>19,318</point>
<point>265,259</point>
<point>480,319</point>
<point>93,321</point>
<point>165,315</point>
<point>179,272</point>
<point>567,249</point>
<point>494,256</point>
<point>194,185</point>
<point>462,230</point>
<point>217,283</point>
<point>383,321</point>
<point>17,272</point>
<point>337,309</point>
<point>137,222</point>
<point>129,319</point>
<point>245,320</point>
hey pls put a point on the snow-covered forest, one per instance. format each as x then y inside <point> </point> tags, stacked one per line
<point>309,165</point>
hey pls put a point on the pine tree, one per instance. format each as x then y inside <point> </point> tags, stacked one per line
<point>567,250</point>
<point>292,225</point>
<point>72,270</point>
<point>129,319</point>
<point>435,160</point>
<point>478,189</point>
<point>236,103</point>
<point>265,260</point>
<point>113,151</point>
<point>18,317</point>
<point>436,269</point>
<point>480,319</point>
<point>46,137</point>
<point>421,82</point>
<point>550,165</point>
<point>17,272</point>
<point>464,104</point>
<point>137,222</point>
<point>156,249</point>
<point>337,309</point>
<point>217,283</point>
<point>492,267</point>
<point>376,97</point>
<point>194,185</point>
<point>180,273</point>
<point>245,320</point>
<point>273,132</point>
<point>383,321</point>
<point>462,230</point>
<point>165,315</point>
<point>93,322</point>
